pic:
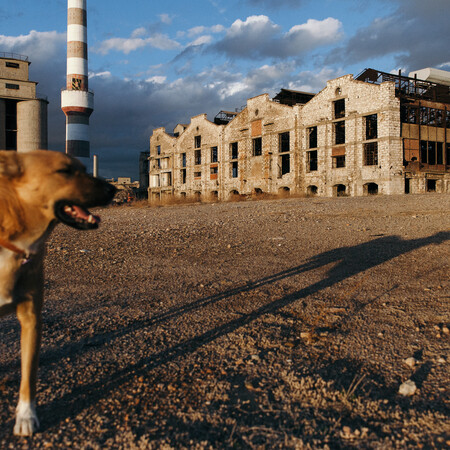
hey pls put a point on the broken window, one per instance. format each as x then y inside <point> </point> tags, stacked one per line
<point>371,127</point>
<point>284,142</point>
<point>234,150</point>
<point>197,141</point>
<point>409,114</point>
<point>183,160</point>
<point>285,164</point>
<point>311,161</point>
<point>197,175</point>
<point>371,154</point>
<point>312,137</point>
<point>234,169</point>
<point>214,154</point>
<point>339,132</point>
<point>338,161</point>
<point>257,146</point>
<point>431,152</point>
<point>214,171</point>
<point>158,149</point>
<point>197,157</point>
<point>183,176</point>
<point>339,109</point>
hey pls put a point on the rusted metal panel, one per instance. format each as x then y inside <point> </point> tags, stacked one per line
<point>338,151</point>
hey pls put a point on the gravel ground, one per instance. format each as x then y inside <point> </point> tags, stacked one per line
<point>260,324</point>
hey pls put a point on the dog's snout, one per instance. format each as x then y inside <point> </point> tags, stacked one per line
<point>110,190</point>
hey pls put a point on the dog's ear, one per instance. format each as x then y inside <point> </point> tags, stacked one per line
<point>9,164</point>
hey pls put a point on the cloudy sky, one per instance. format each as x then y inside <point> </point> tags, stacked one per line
<point>157,63</point>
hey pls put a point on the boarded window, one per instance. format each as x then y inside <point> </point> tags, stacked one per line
<point>257,128</point>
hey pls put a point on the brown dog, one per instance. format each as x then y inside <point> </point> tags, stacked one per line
<point>37,190</point>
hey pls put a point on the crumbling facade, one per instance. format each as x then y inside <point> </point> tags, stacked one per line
<point>375,134</point>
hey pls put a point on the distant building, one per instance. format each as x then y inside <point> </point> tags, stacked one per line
<point>378,133</point>
<point>23,114</point>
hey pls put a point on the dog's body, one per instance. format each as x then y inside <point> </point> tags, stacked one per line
<point>37,190</point>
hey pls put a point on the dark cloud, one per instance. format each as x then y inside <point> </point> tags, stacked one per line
<point>416,34</point>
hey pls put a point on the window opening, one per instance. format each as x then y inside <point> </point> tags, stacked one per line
<point>257,146</point>
<point>234,169</point>
<point>339,109</point>
<point>311,160</point>
<point>339,132</point>
<point>214,155</point>
<point>371,127</point>
<point>197,157</point>
<point>284,142</point>
<point>234,150</point>
<point>312,135</point>
<point>285,161</point>
<point>197,141</point>
<point>338,161</point>
<point>371,154</point>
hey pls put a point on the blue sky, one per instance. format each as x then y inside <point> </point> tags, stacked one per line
<point>155,63</point>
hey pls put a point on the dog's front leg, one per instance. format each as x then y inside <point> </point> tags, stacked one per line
<point>29,315</point>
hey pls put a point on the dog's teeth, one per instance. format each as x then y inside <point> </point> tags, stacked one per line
<point>67,209</point>
<point>91,219</point>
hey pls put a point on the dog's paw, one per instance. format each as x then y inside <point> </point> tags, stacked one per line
<point>26,419</point>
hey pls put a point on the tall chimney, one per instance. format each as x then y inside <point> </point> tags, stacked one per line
<point>77,101</point>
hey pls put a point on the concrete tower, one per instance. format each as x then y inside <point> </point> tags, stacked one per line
<point>77,101</point>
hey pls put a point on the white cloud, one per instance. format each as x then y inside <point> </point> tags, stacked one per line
<point>127,45</point>
<point>202,40</point>
<point>205,30</point>
<point>165,18</point>
<point>258,37</point>
<point>37,45</point>
<point>157,79</point>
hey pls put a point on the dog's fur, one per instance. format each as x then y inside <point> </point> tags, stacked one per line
<point>37,190</point>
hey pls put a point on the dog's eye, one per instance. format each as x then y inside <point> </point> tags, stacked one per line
<point>66,170</point>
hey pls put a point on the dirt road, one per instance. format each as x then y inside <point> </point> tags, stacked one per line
<point>264,324</point>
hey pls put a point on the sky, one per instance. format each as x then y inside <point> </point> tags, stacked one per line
<point>158,63</point>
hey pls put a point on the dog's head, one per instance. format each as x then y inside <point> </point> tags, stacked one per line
<point>53,186</point>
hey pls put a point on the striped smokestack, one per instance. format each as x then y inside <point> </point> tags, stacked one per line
<point>76,100</point>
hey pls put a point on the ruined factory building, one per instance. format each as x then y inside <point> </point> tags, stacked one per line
<point>378,133</point>
<point>23,112</point>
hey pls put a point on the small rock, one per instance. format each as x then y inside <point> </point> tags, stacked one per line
<point>445,330</point>
<point>411,362</point>
<point>407,388</point>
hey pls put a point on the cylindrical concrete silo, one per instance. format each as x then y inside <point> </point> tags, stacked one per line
<point>32,125</point>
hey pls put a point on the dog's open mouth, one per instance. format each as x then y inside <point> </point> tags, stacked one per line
<point>76,216</point>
